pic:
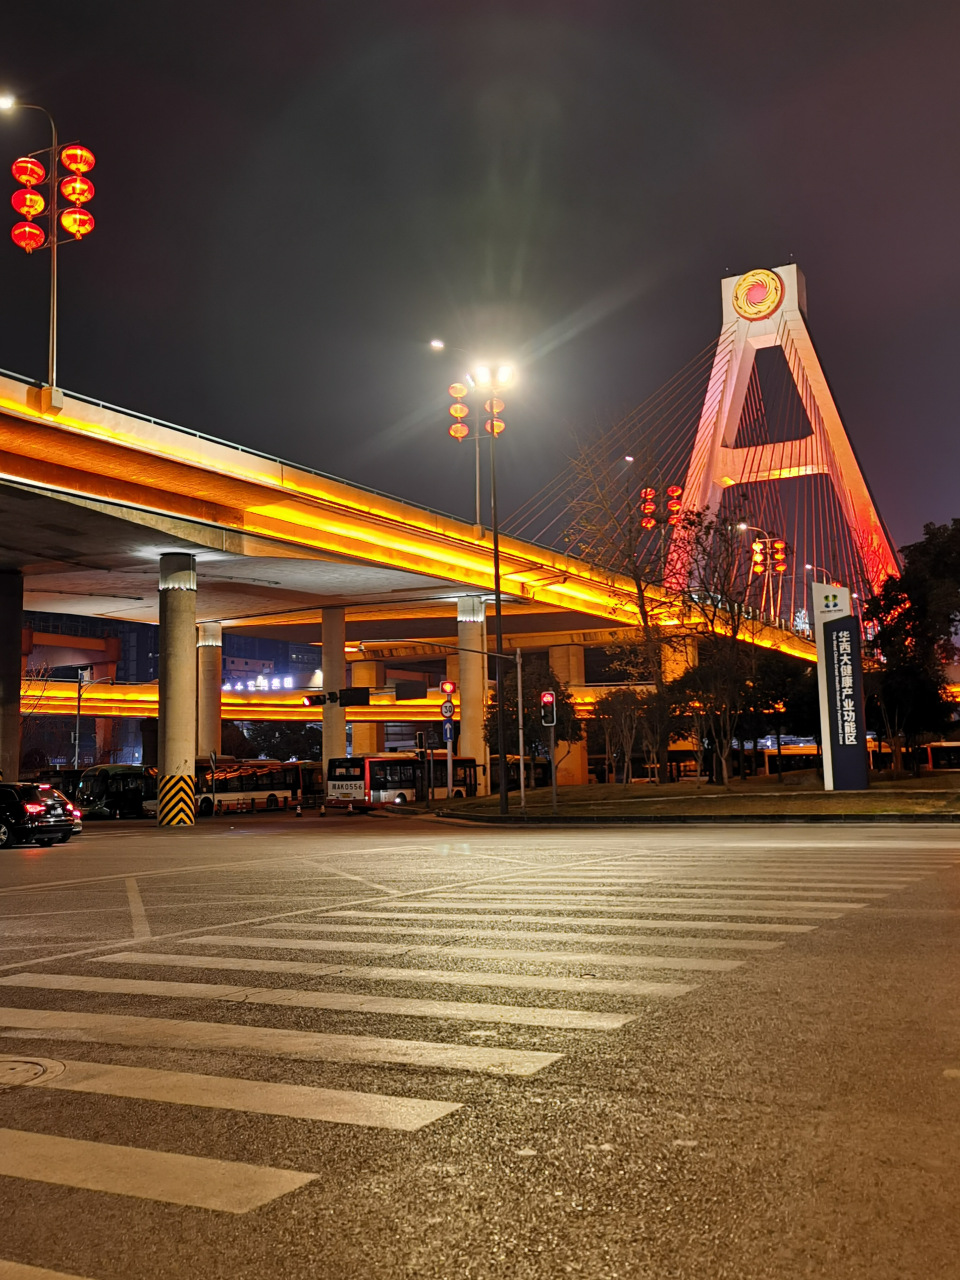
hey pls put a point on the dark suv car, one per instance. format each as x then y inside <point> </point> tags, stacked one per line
<point>29,812</point>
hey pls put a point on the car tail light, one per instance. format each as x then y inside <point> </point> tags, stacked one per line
<point>35,808</point>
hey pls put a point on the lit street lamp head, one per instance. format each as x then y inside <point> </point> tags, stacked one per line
<point>437,344</point>
<point>7,102</point>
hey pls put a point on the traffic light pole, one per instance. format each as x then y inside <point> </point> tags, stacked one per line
<point>553,769</point>
<point>523,761</point>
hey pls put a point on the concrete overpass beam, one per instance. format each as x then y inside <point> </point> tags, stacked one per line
<point>177,744</point>
<point>368,739</point>
<point>11,617</point>
<point>471,637</point>
<point>566,662</point>
<point>333,634</point>
<point>209,684</point>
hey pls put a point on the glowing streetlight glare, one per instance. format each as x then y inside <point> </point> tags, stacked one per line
<point>482,375</point>
<point>628,457</point>
<point>505,375</point>
<point>7,101</point>
<point>437,344</point>
<point>743,527</point>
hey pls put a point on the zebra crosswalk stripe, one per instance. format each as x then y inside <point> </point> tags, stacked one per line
<point>257,1097</point>
<point>376,973</point>
<point>518,1015</point>
<point>195,1181</point>
<point>277,1042</point>
<point>469,921</point>
<point>470,953</point>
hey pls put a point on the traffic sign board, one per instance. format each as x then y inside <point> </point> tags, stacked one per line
<point>448,731</point>
<point>447,709</point>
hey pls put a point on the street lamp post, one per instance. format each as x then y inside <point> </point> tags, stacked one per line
<point>77,190</point>
<point>486,378</point>
<point>82,686</point>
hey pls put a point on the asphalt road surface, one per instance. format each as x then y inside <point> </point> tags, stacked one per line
<point>385,1047</point>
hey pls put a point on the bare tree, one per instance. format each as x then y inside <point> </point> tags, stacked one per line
<point>620,711</point>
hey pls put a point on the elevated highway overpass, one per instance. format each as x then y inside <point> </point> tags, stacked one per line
<point>111,514</point>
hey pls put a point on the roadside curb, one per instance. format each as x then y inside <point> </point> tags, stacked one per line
<point>679,820</point>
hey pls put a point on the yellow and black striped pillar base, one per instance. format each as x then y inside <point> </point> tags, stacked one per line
<point>176,800</point>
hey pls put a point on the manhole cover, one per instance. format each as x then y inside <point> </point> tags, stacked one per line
<point>27,1070</point>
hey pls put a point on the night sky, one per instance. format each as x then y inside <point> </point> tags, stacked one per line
<point>293,198</point>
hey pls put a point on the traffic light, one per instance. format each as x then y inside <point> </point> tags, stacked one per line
<point>759,562</point>
<point>548,708</point>
<point>448,688</point>
<point>318,699</point>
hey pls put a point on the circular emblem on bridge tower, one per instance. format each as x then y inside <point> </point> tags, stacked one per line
<point>757,294</point>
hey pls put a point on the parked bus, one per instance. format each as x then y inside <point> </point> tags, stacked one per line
<point>246,785</point>
<point>117,791</point>
<point>464,776</point>
<point>130,790</point>
<point>374,781</point>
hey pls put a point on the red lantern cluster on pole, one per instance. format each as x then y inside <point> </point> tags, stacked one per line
<point>458,411</point>
<point>650,506</point>
<point>76,189</point>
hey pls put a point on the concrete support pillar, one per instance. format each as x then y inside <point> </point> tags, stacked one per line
<point>104,728</point>
<point>566,662</point>
<point>177,738</point>
<point>471,636</point>
<point>209,685</point>
<point>11,617</point>
<point>367,738</point>
<point>453,668</point>
<point>334,678</point>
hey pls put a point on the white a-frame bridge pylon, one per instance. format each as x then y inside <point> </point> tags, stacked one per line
<point>764,308</point>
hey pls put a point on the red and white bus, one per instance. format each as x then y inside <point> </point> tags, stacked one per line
<point>394,778</point>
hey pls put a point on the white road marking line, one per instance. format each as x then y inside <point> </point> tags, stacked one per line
<point>337,1001</point>
<point>728,903</point>
<point>20,1271</point>
<point>528,935</point>
<point>259,1097</point>
<point>472,953</point>
<point>277,1042</point>
<point>951,1073</point>
<point>541,904</point>
<point>195,1181</point>
<point>138,917</point>
<point>346,875</point>
<point>373,973</point>
<point>471,920</point>
<point>679,892</point>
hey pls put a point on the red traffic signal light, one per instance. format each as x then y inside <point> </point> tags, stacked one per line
<point>448,688</point>
<point>548,708</point>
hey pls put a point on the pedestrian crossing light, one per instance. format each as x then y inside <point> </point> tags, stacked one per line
<point>448,688</point>
<point>548,708</point>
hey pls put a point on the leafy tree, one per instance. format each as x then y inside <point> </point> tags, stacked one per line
<point>619,711</point>
<point>912,626</point>
<point>537,676</point>
<point>718,684</point>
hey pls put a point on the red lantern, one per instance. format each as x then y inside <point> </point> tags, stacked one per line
<point>77,189</point>
<point>494,406</point>
<point>673,505</point>
<point>674,491</point>
<point>647,522</point>
<point>648,493</point>
<point>27,235</point>
<point>648,508</point>
<point>459,431</point>
<point>28,203</point>
<point>459,410</point>
<point>79,159</point>
<point>77,222</point>
<point>673,519</point>
<point>457,390</point>
<point>28,171</point>
<point>494,427</point>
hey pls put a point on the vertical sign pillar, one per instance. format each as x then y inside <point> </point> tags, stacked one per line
<point>11,621</point>
<point>472,669</point>
<point>209,686</point>
<point>840,684</point>
<point>177,738</point>
<point>333,636</point>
